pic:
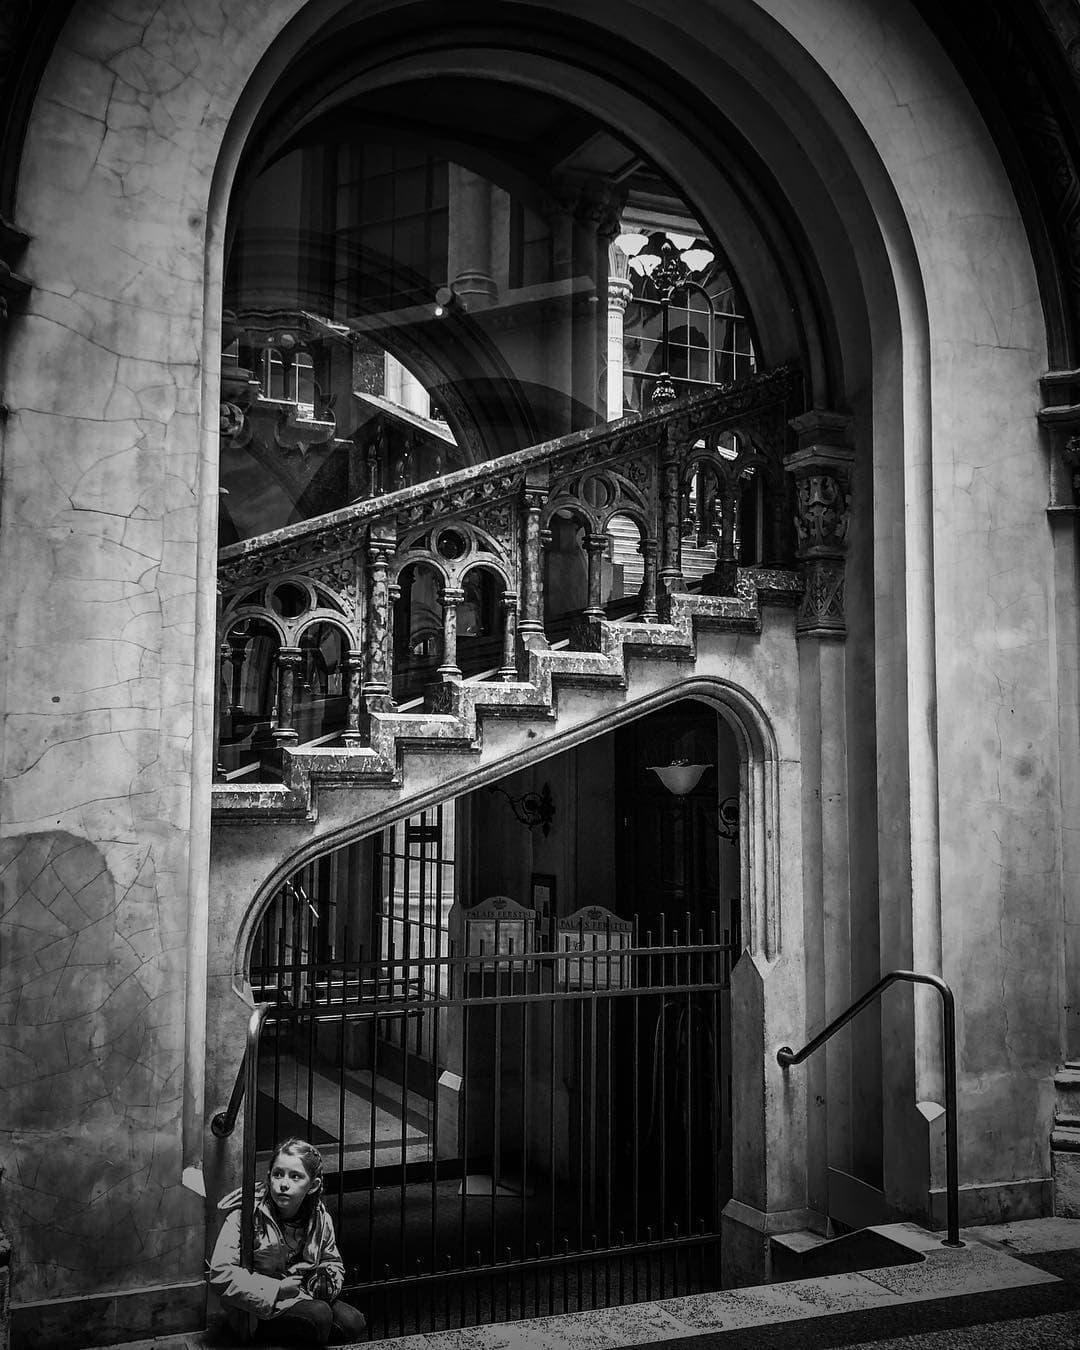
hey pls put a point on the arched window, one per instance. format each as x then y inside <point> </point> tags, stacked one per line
<point>708,334</point>
<point>272,374</point>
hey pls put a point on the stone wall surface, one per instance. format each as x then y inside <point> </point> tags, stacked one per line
<point>100,513</point>
<point>981,661</point>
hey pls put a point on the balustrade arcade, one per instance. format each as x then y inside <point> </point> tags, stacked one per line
<point>414,577</point>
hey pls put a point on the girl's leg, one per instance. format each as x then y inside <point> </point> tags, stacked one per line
<point>348,1325</point>
<point>306,1323</point>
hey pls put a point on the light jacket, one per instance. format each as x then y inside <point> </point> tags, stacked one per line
<point>255,1291</point>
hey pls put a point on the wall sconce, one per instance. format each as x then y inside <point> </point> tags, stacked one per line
<point>727,817</point>
<point>680,776</point>
<point>531,808</point>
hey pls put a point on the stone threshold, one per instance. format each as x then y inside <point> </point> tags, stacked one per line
<point>979,1266</point>
<point>984,1264</point>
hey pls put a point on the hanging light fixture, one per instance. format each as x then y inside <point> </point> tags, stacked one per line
<point>680,776</point>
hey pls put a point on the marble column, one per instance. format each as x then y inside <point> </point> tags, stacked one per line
<point>469,262</point>
<point>376,693</point>
<point>448,670</point>
<point>531,622</point>
<point>670,577</point>
<point>509,606</point>
<point>619,291</point>
<point>288,662</point>
<point>595,546</point>
<point>237,652</point>
<point>649,548</point>
<point>354,678</point>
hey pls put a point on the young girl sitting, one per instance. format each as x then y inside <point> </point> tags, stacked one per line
<point>292,1294</point>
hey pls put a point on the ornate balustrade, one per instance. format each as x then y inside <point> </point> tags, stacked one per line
<point>369,603</point>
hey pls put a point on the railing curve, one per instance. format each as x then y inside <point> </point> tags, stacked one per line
<point>786,1058</point>
<point>224,1122</point>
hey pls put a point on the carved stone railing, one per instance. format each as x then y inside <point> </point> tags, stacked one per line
<point>706,473</point>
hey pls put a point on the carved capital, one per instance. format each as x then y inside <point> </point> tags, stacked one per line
<point>821,611</point>
<point>822,515</point>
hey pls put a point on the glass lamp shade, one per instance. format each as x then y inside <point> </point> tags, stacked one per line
<point>679,779</point>
<point>632,242</point>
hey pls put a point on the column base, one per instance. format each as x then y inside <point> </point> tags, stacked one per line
<point>746,1240</point>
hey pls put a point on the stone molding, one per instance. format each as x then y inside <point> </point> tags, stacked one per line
<point>1060,418</point>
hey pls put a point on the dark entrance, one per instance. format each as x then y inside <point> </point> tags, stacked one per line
<point>518,1117</point>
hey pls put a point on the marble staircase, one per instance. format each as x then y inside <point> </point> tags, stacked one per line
<point>456,713</point>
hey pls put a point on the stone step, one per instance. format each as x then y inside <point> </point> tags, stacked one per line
<point>984,1280</point>
<point>455,713</point>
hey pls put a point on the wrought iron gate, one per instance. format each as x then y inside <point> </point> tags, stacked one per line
<point>518,1116</point>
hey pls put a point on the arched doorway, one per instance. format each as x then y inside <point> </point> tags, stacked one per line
<point>517,1063</point>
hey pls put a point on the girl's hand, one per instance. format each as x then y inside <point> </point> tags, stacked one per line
<point>288,1288</point>
<point>320,1285</point>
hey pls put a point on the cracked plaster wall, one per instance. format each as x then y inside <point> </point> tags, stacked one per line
<point>101,508</point>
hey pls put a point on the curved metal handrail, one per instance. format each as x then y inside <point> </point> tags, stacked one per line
<point>786,1057</point>
<point>224,1122</point>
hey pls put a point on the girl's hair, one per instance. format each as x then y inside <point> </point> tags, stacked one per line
<point>312,1162</point>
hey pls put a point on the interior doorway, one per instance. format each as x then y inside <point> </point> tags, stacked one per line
<point>512,1042</point>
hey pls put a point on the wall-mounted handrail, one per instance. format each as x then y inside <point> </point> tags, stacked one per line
<point>786,1057</point>
<point>224,1122</point>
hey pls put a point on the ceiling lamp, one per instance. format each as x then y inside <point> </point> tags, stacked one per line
<point>680,776</point>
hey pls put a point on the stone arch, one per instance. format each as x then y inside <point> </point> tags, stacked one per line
<point>760,788</point>
<point>153,155</point>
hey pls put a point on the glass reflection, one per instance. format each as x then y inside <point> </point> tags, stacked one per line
<point>429,289</point>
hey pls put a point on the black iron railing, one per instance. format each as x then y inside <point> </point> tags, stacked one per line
<point>787,1057</point>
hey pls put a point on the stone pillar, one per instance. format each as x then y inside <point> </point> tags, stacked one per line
<point>236,651</point>
<point>531,622</point>
<point>596,547</point>
<point>729,491</point>
<point>354,672</point>
<point>469,262</point>
<point>1060,419</point>
<point>649,548</point>
<point>671,577</point>
<point>288,662</point>
<point>619,291</point>
<point>376,694</point>
<point>448,670</point>
<point>509,604</point>
<point>821,468</point>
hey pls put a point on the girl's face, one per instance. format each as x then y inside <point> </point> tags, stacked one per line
<point>289,1185</point>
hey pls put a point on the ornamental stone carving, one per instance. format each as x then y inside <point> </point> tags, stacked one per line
<point>821,515</point>
<point>821,468</point>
